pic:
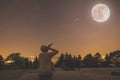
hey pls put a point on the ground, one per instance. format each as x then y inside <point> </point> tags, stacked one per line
<point>83,74</point>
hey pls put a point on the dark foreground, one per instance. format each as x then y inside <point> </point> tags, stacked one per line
<point>83,74</point>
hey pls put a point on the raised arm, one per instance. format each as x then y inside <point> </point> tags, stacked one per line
<point>53,53</point>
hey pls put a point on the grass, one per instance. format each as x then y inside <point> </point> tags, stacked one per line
<point>93,73</point>
<point>11,74</point>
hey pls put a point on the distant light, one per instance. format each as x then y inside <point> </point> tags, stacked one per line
<point>103,57</point>
<point>8,62</point>
<point>32,58</point>
<point>54,60</point>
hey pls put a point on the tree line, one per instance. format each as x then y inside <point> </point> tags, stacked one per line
<point>18,62</point>
<point>69,62</point>
<point>65,61</point>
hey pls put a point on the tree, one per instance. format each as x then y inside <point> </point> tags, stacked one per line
<point>88,61</point>
<point>1,62</point>
<point>69,61</point>
<point>27,63</point>
<point>18,61</point>
<point>97,59</point>
<point>116,58</point>
<point>113,58</point>
<point>36,62</point>
<point>107,61</point>
<point>78,62</point>
<point>60,62</point>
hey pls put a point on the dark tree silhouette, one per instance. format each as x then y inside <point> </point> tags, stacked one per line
<point>36,62</point>
<point>60,62</point>
<point>88,61</point>
<point>113,59</point>
<point>97,59</point>
<point>69,61</point>
<point>107,61</point>
<point>18,61</point>
<point>65,61</point>
<point>27,63</point>
<point>1,62</point>
<point>78,62</point>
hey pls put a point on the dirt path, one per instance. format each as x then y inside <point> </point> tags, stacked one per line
<point>57,76</point>
<point>71,75</point>
<point>30,76</point>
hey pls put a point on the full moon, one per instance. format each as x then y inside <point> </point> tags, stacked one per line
<point>100,13</point>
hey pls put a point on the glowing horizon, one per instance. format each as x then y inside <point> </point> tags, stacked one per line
<point>26,25</point>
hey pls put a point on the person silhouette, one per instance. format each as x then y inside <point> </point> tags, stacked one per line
<point>46,67</point>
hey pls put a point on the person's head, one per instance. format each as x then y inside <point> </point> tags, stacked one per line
<point>44,48</point>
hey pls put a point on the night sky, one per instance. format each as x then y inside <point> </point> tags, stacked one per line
<point>27,24</point>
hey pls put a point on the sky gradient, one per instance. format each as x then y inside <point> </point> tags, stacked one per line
<point>27,24</point>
